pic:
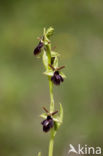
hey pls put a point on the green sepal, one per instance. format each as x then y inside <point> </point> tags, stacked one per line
<point>46,40</point>
<point>39,154</point>
<point>54,54</point>
<point>49,73</point>
<point>62,74</point>
<point>55,63</point>
<point>43,115</point>
<point>58,120</point>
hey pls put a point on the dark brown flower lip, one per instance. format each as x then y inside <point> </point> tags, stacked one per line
<point>57,78</point>
<point>48,123</point>
<point>37,50</point>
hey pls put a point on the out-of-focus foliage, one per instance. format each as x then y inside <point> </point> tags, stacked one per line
<point>24,89</point>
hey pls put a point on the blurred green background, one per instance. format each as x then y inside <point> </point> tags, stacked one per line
<point>24,89</point>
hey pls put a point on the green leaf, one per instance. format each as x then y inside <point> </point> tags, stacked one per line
<point>39,154</point>
<point>45,59</point>
<point>49,73</point>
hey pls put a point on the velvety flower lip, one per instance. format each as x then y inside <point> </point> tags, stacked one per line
<point>37,50</point>
<point>57,78</point>
<point>47,123</point>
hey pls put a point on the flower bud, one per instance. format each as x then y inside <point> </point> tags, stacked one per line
<point>49,32</point>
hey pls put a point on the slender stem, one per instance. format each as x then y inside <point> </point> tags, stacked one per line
<point>51,144</point>
<point>51,95</point>
<point>48,49</point>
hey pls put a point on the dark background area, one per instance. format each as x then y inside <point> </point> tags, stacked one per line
<point>24,89</point>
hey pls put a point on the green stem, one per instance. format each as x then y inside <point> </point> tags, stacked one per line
<point>48,49</point>
<point>51,95</point>
<point>51,144</point>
